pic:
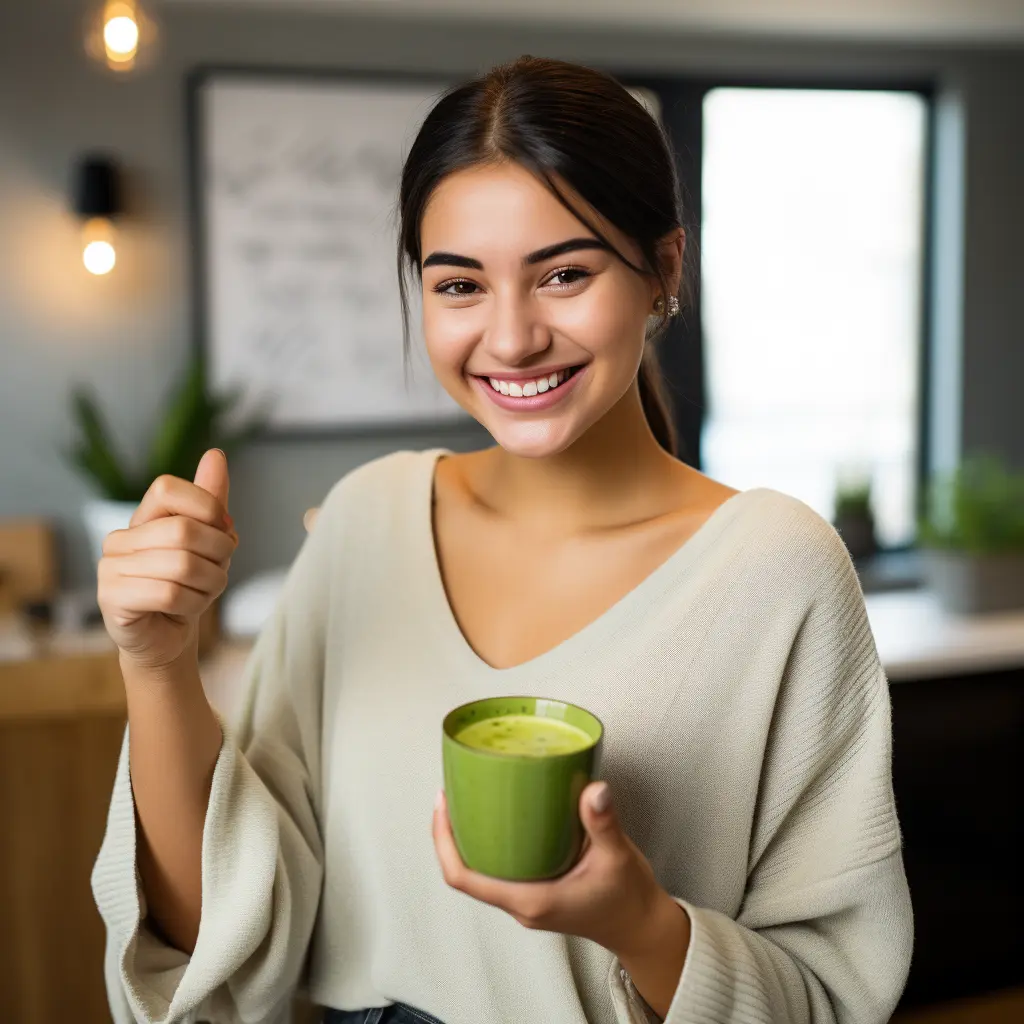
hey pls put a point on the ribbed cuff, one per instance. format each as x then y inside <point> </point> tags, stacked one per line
<point>143,972</point>
<point>719,980</point>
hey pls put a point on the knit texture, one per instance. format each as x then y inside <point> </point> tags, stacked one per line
<point>747,744</point>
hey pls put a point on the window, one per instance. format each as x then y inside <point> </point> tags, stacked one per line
<point>812,263</point>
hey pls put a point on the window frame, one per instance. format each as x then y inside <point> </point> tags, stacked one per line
<point>682,347</point>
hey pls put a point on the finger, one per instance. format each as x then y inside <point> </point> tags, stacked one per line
<point>176,532</point>
<point>170,495</point>
<point>140,596</point>
<point>212,475</point>
<point>600,821</point>
<point>180,567</point>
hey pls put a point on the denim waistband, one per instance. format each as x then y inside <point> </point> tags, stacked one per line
<point>396,1013</point>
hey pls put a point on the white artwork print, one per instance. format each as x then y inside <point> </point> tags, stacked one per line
<point>298,184</point>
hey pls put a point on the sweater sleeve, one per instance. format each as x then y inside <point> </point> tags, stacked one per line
<point>262,851</point>
<point>824,933</point>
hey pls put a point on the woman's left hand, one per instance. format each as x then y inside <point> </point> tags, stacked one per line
<point>608,896</point>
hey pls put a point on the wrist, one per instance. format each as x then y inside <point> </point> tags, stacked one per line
<point>664,924</point>
<point>184,665</point>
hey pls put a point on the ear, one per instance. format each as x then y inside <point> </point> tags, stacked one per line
<point>670,252</point>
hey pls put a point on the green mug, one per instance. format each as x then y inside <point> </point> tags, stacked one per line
<point>516,816</point>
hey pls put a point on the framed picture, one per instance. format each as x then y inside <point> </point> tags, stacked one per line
<point>295,180</point>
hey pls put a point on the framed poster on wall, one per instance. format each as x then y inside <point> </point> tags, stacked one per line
<point>294,195</point>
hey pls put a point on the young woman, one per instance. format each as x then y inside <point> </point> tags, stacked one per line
<point>743,859</point>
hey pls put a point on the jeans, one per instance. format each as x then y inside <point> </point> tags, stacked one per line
<point>397,1013</point>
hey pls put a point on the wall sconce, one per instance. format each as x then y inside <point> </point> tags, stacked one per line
<point>97,200</point>
<point>117,31</point>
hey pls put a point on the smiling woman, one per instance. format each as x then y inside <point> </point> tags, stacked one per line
<point>741,861</point>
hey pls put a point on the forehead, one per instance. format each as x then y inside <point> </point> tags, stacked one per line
<point>502,209</point>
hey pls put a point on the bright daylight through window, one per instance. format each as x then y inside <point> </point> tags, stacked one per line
<point>811,267</point>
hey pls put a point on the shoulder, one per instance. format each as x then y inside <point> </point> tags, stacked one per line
<point>795,542</point>
<point>372,478</point>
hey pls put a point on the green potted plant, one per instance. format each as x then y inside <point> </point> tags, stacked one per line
<point>853,517</point>
<point>192,422</point>
<point>972,536</point>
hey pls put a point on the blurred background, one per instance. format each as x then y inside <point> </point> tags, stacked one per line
<point>196,249</point>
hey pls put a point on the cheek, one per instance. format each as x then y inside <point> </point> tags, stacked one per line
<point>603,321</point>
<point>449,336</point>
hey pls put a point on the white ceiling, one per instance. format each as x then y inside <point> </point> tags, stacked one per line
<point>952,21</point>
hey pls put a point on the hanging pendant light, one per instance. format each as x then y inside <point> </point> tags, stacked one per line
<point>120,34</point>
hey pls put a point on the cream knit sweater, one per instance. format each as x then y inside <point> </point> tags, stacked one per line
<point>747,744</point>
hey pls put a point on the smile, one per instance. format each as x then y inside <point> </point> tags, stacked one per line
<point>526,396</point>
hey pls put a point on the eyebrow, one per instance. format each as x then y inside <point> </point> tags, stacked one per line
<point>451,259</point>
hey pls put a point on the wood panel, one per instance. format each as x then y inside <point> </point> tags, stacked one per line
<point>62,687</point>
<point>56,777</point>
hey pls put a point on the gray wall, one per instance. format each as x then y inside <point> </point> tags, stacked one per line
<point>128,335</point>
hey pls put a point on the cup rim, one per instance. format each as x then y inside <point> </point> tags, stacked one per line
<point>524,757</point>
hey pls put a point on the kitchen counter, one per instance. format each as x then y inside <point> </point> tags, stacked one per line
<point>73,671</point>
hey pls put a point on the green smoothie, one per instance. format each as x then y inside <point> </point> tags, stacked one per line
<point>526,735</point>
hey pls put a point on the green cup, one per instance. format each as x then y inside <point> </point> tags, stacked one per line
<point>516,816</point>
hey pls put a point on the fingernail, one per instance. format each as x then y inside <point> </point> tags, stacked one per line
<point>438,800</point>
<point>229,522</point>
<point>602,799</point>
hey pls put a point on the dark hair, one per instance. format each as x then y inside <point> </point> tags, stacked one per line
<point>557,120</point>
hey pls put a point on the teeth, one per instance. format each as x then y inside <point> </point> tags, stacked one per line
<point>526,389</point>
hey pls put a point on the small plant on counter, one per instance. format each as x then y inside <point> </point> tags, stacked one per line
<point>976,508</point>
<point>192,422</point>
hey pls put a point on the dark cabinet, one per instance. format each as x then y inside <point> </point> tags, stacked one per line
<point>958,775</point>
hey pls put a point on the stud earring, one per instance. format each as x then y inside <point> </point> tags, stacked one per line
<point>673,306</point>
<point>659,305</point>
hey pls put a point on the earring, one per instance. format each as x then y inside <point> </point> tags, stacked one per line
<point>673,306</point>
<point>659,305</point>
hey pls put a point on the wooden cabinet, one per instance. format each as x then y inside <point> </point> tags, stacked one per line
<point>62,719</point>
<point>61,724</point>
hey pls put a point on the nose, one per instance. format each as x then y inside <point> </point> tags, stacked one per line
<point>514,332</point>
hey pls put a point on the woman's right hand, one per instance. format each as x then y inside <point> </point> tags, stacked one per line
<point>157,577</point>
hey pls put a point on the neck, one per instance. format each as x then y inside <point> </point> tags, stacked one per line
<point>614,475</point>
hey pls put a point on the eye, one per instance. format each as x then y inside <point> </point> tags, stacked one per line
<point>457,286</point>
<point>567,276</point>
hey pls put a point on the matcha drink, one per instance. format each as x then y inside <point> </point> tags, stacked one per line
<point>525,735</point>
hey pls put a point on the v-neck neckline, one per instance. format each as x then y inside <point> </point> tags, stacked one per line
<point>583,640</point>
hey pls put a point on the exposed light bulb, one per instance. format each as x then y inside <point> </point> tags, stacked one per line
<point>98,253</point>
<point>99,258</point>
<point>119,31</point>
<point>121,37</point>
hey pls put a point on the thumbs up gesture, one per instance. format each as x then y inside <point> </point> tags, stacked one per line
<point>157,577</point>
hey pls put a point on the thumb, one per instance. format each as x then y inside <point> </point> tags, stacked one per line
<point>212,475</point>
<point>597,813</point>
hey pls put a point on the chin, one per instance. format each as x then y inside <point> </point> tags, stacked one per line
<point>533,440</point>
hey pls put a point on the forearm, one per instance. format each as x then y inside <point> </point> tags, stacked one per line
<point>174,742</point>
<point>654,958</point>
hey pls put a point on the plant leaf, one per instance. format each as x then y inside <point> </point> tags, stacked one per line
<point>94,455</point>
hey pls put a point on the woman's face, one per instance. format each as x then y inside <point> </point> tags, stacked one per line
<point>516,289</point>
